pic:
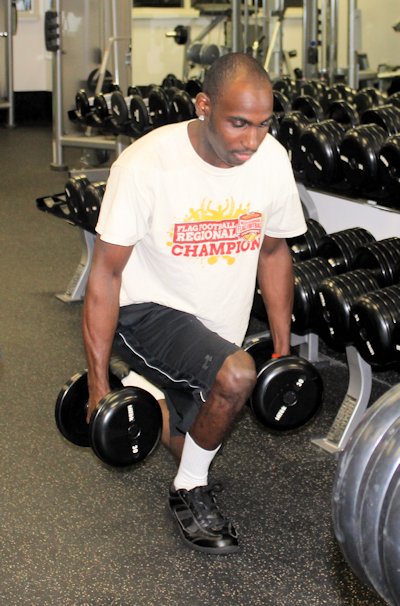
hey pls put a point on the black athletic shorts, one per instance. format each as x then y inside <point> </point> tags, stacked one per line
<point>174,351</point>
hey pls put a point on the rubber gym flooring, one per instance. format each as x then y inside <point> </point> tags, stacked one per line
<point>76,533</point>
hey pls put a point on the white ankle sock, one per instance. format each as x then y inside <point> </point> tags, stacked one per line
<point>193,468</point>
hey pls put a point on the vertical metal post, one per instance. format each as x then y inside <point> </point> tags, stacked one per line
<point>246,26</point>
<point>274,55</point>
<point>237,45</point>
<point>10,75</point>
<point>57,104</point>
<point>310,37</point>
<point>352,48</point>
<point>114,35</point>
<point>333,40</point>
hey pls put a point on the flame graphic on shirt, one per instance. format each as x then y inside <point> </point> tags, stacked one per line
<point>216,233</point>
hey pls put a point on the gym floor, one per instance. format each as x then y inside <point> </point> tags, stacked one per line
<point>77,533</point>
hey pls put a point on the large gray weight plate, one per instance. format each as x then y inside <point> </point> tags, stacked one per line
<point>390,539</point>
<point>351,466</point>
<point>376,479</point>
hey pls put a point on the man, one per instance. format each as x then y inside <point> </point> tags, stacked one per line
<point>192,213</point>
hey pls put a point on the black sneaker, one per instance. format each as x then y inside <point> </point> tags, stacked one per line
<point>202,525</point>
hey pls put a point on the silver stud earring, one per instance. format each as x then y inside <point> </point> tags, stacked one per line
<point>201,117</point>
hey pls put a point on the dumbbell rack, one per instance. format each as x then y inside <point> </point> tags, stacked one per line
<point>353,406</point>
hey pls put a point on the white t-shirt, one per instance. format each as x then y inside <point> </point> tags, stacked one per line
<point>197,229</point>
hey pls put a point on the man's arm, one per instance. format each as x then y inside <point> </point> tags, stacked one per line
<point>275,279</point>
<point>100,315</point>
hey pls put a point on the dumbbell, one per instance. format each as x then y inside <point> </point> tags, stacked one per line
<point>319,152</point>
<point>289,389</point>
<point>291,127</point>
<point>193,87</point>
<point>181,105</point>
<point>336,92</point>
<point>375,320</point>
<point>84,200</point>
<point>305,246</point>
<point>344,113</point>
<point>309,107</point>
<point>376,265</point>
<point>339,247</point>
<point>125,428</point>
<point>95,110</point>
<point>93,197</point>
<point>358,156</point>
<point>387,116</point>
<point>75,189</point>
<point>312,88</point>
<point>389,167</point>
<point>308,275</point>
<point>336,296</point>
<point>368,97</point>
<point>361,146</point>
<point>281,104</point>
<point>144,108</point>
<point>285,85</point>
<point>302,248</point>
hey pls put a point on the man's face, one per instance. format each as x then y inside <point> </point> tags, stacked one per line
<point>237,122</point>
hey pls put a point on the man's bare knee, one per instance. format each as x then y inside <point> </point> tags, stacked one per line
<point>237,376</point>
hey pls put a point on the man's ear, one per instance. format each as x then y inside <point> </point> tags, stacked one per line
<point>202,104</point>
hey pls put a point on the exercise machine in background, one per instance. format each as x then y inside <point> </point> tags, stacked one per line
<point>90,41</point>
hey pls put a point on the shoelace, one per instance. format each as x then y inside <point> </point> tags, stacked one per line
<point>203,504</point>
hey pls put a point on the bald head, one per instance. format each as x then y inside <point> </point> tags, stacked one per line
<point>231,67</point>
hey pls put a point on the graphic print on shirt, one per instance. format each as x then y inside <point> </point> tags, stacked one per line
<point>216,232</point>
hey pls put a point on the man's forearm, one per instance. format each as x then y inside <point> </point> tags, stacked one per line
<point>100,317</point>
<point>275,278</point>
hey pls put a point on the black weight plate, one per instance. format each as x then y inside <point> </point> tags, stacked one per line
<point>320,145</point>
<point>119,108</point>
<point>288,393</point>
<point>376,479</point>
<point>389,163</point>
<point>290,130</point>
<point>75,189</point>
<point>82,104</point>
<point>193,87</point>
<point>260,348</point>
<point>71,405</point>
<point>158,107</point>
<point>281,103</point>
<point>101,110</point>
<point>390,538</point>
<point>352,462</point>
<point>126,427</point>
<point>138,113</point>
<point>307,277</point>
<point>308,106</point>
<point>337,295</point>
<point>359,151</point>
<point>93,198</point>
<point>70,410</point>
<point>344,113</point>
<point>181,107</point>
<point>376,316</point>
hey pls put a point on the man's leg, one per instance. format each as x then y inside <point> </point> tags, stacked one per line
<point>231,389</point>
<point>173,443</point>
<point>191,500</point>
